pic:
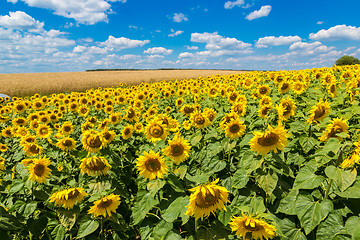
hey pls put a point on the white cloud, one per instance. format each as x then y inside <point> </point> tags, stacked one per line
<point>338,32</point>
<point>231,4</point>
<point>129,57</point>
<point>185,55</point>
<point>83,11</point>
<point>174,34</point>
<point>179,17</point>
<point>21,21</point>
<point>305,48</point>
<point>192,47</point>
<point>79,49</point>
<point>155,56</point>
<point>319,22</point>
<point>276,41</point>
<point>158,50</point>
<point>262,12</point>
<point>216,42</point>
<point>123,43</point>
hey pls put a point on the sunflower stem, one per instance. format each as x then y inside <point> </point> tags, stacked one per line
<point>196,228</point>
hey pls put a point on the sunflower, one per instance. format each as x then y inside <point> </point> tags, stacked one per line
<point>93,141</point>
<point>186,125</point>
<point>239,108</point>
<point>94,166</point>
<point>210,114</point>
<point>264,111</point>
<point>127,132</point>
<point>108,135</point>
<point>284,87</point>
<point>19,121</point>
<point>332,89</point>
<point>2,163</point>
<point>156,130</point>
<point>131,115</point>
<point>272,139</point>
<point>235,129</point>
<point>263,90</point>
<point>67,198</point>
<point>32,149</point>
<point>265,101</point>
<point>7,132</point>
<point>298,87</point>
<point>3,147</point>
<point>105,206</point>
<point>336,126</point>
<point>187,109</point>
<point>39,170</point>
<point>252,227</point>
<point>83,111</point>
<point>199,120</point>
<point>114,118</point>
<point>21,131</point>
<point>178,149</point>
<point>288,108</point>
<point>206,198</point>
<point>227,118</point>
<point>151,165</point>
<point>139,127</point>
<point>43,131</point>
<point>66,128</point>
<point>319,112</point>
<point>66,144</point>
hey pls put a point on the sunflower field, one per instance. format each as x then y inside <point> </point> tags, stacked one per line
<point>259,155</point>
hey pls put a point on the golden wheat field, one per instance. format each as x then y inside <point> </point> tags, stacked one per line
<point>26,84</point>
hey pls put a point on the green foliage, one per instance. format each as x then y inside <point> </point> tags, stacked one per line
<point>347,60</point>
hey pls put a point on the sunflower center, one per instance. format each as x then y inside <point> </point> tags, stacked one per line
<point>127,131</point>
<point>105,203</point>
<point>34,149</point>
<point>263,90</point>
<point>73,194</point>
<point>96,165</point>
<point>131,113</point>
<point>251,225</point>
<point>234,128</point>
<point>43,131</point>
<point>67,143</point>
<point>287,108</point>
<point>285,86</point>
<point>233,97</point>
<point>188,109</point>
<point>153,165</point>
<point>199,120</point>
<point>67,129</point>
<point>107,136</point>
<point>319,112</point>
<point>207,200</point>
<point>332,88</point>
<point>94,142</point>
<point>269,140</point>
<point>177,149</point>
<point>39,169</point>
<point>20,121</point>
<point>336,129</point>
<point>156,131</point>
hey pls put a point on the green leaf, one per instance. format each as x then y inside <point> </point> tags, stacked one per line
<point>239,179</point>
<point>30,208</point>
<point>307,143</point>
<point>175,183</point>
<point>87,227</point>
<point>213,149</point>
<point>351,192</point>
<point>8,221</point>
<point>67,218</point>
<point>142,207</point>
<point>155,185</point>
<point>352,224</point>
<point>161,229</point>
<point>59,232</point>
<point>16,187</point>
<point>344,178</point>
<point>250,162</point>
<point>213,166</point>
<point>287,205</point>
<point>313,213</point>
<point>307,179</point>
<point>332,145</point>
<point>171,235</point>
<point>332,225</point>
<point>175,209</point>
<point>196,138</point>
<point>268,181</point>
<point>290,230</point>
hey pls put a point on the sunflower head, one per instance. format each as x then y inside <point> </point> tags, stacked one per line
<point>319,112</point>
<point>67,198</point>
<point>235,129</point>
<point>338,125</point>
<point>151,165</point>
<point>248,227</point>
<point>93,141</point>
<point>95,166</point>
<point>66,144</point>
<point>39,170</point>
<point>156,130</point>
<point>178,149</point>
<point>105,206</point>
<point>206,199</point>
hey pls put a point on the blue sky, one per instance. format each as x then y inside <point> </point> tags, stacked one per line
<point>69,35</point>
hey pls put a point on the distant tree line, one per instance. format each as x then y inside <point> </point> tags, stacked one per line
<point>347,60</point>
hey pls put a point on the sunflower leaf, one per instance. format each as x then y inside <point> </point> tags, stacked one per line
<point>332,225</point>
<point>307,179</point>
<point>344,178</point>
<point>87,227</point>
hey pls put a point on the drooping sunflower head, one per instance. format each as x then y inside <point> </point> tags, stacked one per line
<point>338,125</point>
<point>235,129</point>
<point>93,141</point>
<point>105,206</point>
<point>248,227</point>
<point>151,165</point>
<point>288,106</point>
<point>66,144</point>
<point>108,135</point>
<point>284,87</point>
<point>264,111</point>
<point>178,149</point>
<point>39,170</point>
<point>206,199</point>
<point>273,139</point>
<point>319,112</point>
<point>187,109</point>
<point>239,108</point>
<point>127,132</point>
<point>95,166</point>
<point>67,198</point>
<point>32,149</point>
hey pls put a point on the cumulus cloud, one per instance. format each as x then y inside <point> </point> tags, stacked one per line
<point>305,48</point>
<point>175,33</point>
<point>123,43</point>
<point>179,17</point>
<point>83,11</point>
<point>192,47</point>
<point>262,12</point>
<point>21,21</point>
<point>158,50</point>
<point>338,32</point>
<point>231,4</point>
<point>276,41</point>
<point>319,22</point>
<point>216,42</point>
<point>128,57</point>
